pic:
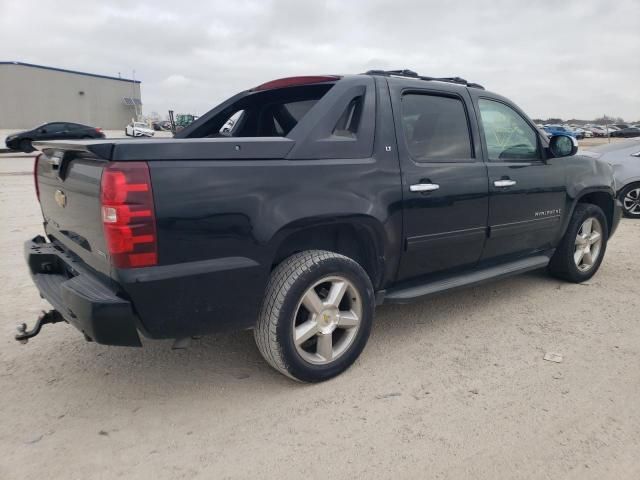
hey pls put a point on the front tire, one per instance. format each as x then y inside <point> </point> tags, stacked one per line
<point>25,145</point>
<point>630,199</point>
<point>582,249</point>
<point>316,315</point>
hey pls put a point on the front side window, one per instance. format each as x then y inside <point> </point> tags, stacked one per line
<point>507,134</point>
<point>436,128</point>
<point>54,127</point>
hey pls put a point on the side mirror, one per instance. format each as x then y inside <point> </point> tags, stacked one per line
<point>563,146</point>
<point>43,130</point>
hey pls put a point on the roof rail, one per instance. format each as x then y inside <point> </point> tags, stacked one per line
<point>411,74</point>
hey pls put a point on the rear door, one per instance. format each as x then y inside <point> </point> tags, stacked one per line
<point>527,192</point>
<point>73,131</point>
<point>445,193</point>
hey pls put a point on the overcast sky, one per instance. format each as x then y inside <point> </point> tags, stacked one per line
<point>554,58</point>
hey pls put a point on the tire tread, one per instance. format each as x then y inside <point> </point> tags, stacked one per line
<point>562,264</point>
<point>282,279</point>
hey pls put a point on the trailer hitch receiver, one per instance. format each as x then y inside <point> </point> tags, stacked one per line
<point>23,335</point>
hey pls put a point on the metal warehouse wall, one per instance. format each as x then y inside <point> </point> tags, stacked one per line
<point>30,96</point>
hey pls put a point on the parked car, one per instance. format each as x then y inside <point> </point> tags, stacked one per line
<point>582,133</point>
<point>51,131</point>
<point>161,125</point>
<point>330,195</point>
<point>626,132</point>
<point>598,131</point>
<point>559,130</point>
<point>621,126</point>
<point>625,159</point>
<point>138,129</point>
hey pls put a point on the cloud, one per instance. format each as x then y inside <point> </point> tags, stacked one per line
<point>176,80</point>
<point>571,59</point>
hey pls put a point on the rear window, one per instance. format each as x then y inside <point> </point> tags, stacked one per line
<point>267,113</point>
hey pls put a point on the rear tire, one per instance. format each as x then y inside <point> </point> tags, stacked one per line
<point>630,199</point>
<point>316,315</point>
<point>582,249</point>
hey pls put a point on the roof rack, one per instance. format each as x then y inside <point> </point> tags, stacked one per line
<point>411,74</point>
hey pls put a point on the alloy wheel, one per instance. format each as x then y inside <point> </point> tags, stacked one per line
<point>631,201</point>
<point>327,320</point>
<point>588,244</point>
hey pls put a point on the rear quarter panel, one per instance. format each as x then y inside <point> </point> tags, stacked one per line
<point>221,222</point>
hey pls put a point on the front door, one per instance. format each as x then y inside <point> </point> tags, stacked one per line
<point>445,193</point>
<point>52,131</point>
<point>527,192</point>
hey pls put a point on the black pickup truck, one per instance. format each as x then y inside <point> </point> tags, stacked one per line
<point>296,207</point>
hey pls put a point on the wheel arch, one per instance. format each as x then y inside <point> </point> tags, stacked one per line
<point>602,198</point>
<point>628,183</point>
<point>361,239</point>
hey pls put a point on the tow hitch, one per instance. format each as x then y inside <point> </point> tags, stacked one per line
<point>52,316</point>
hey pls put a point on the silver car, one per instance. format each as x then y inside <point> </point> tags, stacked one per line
<point>624,157</point>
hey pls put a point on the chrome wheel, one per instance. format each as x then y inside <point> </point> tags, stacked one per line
<point>327,320</point>
<point>588,244</point>
<point>631,201</point>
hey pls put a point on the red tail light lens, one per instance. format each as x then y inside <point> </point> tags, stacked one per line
<point>35,175</point>
<point>128,215</point>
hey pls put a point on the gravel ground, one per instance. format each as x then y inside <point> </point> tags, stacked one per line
<point>451,387</point>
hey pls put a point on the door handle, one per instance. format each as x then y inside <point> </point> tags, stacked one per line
<point>504,183</point>
<point>424,187</point>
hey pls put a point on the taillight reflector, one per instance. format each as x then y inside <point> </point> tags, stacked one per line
<point>296,81</point>
<point>128,215</point>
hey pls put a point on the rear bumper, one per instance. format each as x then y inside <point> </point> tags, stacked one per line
<point>84,301</point>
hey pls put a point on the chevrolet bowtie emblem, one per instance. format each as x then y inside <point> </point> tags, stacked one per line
<point>61,198</point>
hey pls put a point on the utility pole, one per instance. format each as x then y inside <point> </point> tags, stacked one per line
<point>133,92</point>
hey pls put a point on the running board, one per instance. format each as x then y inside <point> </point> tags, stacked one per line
<point>408,294</point>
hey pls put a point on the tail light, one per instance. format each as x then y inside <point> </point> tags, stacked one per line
<point>128,215</point>
<point>98,129</point>
<point>35,175</point>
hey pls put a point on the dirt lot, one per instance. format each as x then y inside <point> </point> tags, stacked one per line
<point>452,387</point>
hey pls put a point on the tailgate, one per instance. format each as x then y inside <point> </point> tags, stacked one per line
<point>68,179</point>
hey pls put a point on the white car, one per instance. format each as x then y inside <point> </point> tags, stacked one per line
<point>598,131</point>
<point>586,133</point>
<point>138,129</point>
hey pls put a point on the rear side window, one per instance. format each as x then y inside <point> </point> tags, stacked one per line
<point>436,128</point>
<point>348,123</point>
